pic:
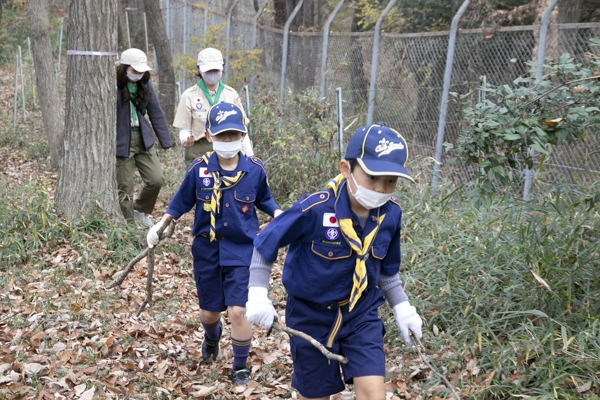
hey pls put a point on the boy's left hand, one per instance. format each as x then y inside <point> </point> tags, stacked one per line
<point>408,321</point>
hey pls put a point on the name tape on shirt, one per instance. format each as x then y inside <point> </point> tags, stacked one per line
<point>330,220</point>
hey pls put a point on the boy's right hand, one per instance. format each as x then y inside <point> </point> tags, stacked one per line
<point>259,308</point>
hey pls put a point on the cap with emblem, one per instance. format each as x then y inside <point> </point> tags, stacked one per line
<point>379,150</point>
<point>225,117</point>
<point>209,59</point>
<point>136,59</point>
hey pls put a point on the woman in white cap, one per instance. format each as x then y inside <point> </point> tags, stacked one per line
<point>136,99</point>
<point>195,102</point>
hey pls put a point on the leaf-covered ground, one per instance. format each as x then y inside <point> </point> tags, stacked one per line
<point>63,335</point>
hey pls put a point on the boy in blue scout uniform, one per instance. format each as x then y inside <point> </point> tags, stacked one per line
<point>224,185</point>
<point>343,260</point>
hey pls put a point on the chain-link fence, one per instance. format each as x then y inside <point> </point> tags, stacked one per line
<point>410,69</point>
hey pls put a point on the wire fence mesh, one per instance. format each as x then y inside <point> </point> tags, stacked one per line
<point>410,70</point>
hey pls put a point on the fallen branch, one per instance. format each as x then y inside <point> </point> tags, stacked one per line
<point>148,300</point>
<point>120,276</point>
<point>308,338</point>
<point>431,367</point>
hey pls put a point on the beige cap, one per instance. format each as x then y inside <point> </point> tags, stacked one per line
<point>136,59</point>
<point>209,59</point>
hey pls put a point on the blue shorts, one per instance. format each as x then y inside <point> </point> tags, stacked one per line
<point>359,338</point>
<point>218,287</point>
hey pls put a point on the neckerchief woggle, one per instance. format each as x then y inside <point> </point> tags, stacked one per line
<point>215,198</point>
<point>359,278</point>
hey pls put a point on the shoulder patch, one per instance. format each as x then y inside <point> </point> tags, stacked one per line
<point>314,199</point>
<point>394,200</point>
<point>257,161</point>
<point>197,161</point>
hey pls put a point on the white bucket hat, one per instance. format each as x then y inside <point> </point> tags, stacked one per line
<point>209,59</point>
<point>136,59</point>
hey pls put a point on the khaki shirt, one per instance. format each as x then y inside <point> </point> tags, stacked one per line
<point>193,107</point>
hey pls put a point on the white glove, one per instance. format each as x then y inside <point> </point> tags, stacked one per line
<point>184,134</point>
<point>259,309</point>
<point>276,213</point>
<point>408,321</point>
<point>247,146</point>
<point>152,236</point>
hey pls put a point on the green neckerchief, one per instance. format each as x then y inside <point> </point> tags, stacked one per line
<point>220,88</point>
<point>132,89</point>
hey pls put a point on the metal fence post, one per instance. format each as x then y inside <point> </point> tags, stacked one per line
<point>286,32</point>
<point>254,33</point>
<point>445,92</point>
<point>325,43</point>
<point>127,25</point>
<point>22,81</point>
<point>228,38</point>
<point>146,31</point>
<point>185,38</point>
<point>374,61</point>
<point>340,120</point>
<point>541,55</point>
<point>206,16</point>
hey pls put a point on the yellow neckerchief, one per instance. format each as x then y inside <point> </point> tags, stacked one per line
<point>359,278</point>
<point>215,199</point>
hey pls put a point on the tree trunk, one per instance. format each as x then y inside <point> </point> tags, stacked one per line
<point>87,174</point>
<point>166,76</point>
<point>122,25</point>
<point>358,83</point>
<point>45,79</point>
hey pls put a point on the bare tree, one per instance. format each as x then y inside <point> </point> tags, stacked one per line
<point>162,48</point>
<point>87,177</point>
<point>45,79</point>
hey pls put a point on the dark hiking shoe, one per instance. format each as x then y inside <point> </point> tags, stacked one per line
<point>240,375</point>
<point>211,349</point>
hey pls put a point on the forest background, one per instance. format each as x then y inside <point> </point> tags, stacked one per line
<point>509,290</point>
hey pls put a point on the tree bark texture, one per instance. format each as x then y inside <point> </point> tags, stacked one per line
<point>87,173</point>
<point>45,79</point>
<point>166,77</point>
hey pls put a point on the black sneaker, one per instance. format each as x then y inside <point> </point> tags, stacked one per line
<point>211,349</point>
<point>240,375</point>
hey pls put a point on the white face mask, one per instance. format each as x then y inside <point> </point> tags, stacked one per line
<point>134,77</point>
<point>227,149</point>
<point>212,77</point>
<point>368,198</point>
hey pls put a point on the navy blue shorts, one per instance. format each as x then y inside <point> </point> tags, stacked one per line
<point>359,338</point>
<point>218,287</point>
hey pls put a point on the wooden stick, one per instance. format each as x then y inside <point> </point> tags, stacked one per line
<point>148,300</point>
<point>431,367</point>
<point>308,338</point>
<point>120,276</point>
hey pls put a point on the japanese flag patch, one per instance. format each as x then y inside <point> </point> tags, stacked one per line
<point>330,220</point>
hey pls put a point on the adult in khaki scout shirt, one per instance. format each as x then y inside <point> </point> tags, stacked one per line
<point>195,102</point>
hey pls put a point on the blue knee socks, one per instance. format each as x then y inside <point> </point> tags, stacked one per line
<point>212,331</point>
<point>241,350</point>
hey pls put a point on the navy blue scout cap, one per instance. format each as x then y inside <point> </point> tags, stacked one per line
<point>379,150</point>
<point>225,117</point>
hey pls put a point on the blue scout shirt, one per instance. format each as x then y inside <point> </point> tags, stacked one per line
<point>319,264</point>
<point>237,223</point>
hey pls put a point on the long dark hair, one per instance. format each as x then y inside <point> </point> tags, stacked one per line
<point>142,92</point>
